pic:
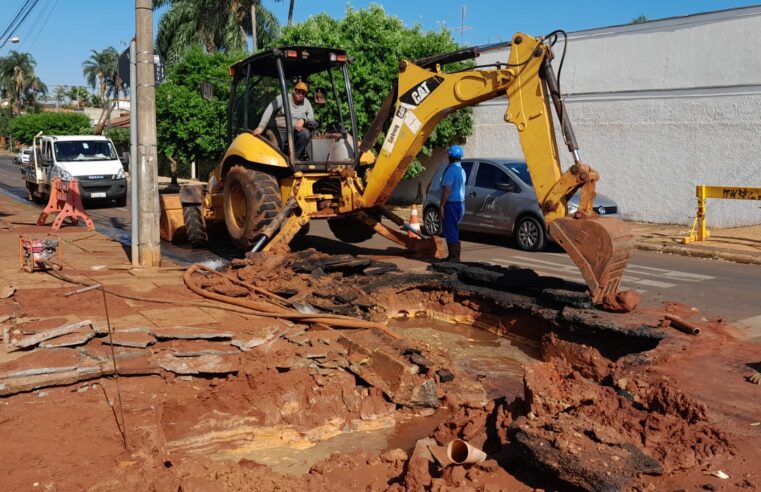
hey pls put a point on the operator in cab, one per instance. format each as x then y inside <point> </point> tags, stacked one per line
<point>452,205</point>
<point>302,116</point>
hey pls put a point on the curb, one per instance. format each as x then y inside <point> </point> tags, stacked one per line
<point>748,259</point>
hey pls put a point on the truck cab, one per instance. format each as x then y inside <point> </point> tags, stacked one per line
<point>91,159</point>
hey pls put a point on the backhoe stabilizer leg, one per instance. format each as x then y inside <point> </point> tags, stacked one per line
<point>600,247</point>
<point>282,228</point>
<point>432,247</point>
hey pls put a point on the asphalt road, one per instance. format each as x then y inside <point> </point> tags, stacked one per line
<point>719,289</point>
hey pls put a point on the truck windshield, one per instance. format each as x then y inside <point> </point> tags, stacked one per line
<point>84,150</point>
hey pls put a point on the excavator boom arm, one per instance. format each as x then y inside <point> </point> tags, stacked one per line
<point>424,96</point>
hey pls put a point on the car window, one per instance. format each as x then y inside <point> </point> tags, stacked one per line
<point>489,175</point>
<point>521,169</point>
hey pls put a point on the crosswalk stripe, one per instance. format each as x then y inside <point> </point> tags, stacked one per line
<point>654,283</point>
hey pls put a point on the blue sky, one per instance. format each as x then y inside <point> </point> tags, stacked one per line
<point>60,33</point>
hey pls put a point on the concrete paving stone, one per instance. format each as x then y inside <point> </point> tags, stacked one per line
<point>71,340</point>
<point>32,340</point>
<point>248,342</point>
<point>101,352</point>
<point>195,348</point>
<point>136,339</point>
<point>169,316</point>
<point>191,333</point>
<point>204,364</point>
<point>42,362</point>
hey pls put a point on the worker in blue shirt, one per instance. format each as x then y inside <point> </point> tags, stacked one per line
<point>452,205</point>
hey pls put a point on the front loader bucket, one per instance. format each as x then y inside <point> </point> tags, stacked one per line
<point>600,247</point>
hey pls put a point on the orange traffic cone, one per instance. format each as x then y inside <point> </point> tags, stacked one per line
<point>414,222</point>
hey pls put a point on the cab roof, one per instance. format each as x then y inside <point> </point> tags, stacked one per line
<point>298,61</point>
<point>68,138</point>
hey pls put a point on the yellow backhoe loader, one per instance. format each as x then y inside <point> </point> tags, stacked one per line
<point>265,193</point>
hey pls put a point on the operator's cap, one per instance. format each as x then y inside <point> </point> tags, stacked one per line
<point>302,86</point>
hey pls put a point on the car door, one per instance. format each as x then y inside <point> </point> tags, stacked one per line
<point>485,204</point>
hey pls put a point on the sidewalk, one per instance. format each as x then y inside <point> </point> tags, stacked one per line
<point>739,245</point>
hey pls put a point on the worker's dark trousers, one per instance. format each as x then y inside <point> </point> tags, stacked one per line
<point>300,139</point>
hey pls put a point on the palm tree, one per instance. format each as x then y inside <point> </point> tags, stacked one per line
<point>17,78</point>
<point>215,25</point>
<point>102,70</point>
<point>290,11</point>
<point>79,94</point>
<point>59,94</point>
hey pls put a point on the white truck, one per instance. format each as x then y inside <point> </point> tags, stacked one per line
<point>91,159</point>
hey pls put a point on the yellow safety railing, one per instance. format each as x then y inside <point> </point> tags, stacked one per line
<point>699,231</point>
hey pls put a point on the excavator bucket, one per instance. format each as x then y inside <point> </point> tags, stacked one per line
<point>600,247</point>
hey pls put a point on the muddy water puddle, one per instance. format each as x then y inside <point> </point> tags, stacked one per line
<point>496,361</point>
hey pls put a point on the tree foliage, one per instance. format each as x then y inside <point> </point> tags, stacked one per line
<point>378,42</point>
<point>101,70</point>
<point>25,127</point>
<point>213,25</point>
<point>18,82</point>
<point>189,127</point>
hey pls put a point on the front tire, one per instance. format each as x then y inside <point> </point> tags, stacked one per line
<point>251,201</point>
<point>431,222</point>
<point>195,229</point>
<point>529,234</point>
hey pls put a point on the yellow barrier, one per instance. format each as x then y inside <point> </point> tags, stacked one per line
<point>699,231</point>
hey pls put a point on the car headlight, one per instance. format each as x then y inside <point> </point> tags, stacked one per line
<point>120,173</point>
<point>65,175</point>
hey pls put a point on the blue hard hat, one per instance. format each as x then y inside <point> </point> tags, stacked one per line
<point>455,151</point>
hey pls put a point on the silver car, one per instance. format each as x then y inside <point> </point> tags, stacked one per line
<point>499,199</point>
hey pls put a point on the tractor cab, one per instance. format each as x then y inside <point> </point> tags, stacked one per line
<point>269,79</point>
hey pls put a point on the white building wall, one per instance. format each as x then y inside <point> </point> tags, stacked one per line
<point>658,108</point>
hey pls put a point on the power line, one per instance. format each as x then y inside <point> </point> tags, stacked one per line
<point>44,23</point>
<point>9,28</point>
<point>23,18</point>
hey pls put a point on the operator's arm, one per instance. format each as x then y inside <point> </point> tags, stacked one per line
<point>306,114</point>
<point>271,108</point>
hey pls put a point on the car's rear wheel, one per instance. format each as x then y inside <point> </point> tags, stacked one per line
<point>431,221</point>
<point>529,234</point>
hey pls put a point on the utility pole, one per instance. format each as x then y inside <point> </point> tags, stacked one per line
<point>133,172</point>
<point>147,156</point>
<point>462,27</point>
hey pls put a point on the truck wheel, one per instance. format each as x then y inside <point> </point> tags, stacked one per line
<point>195,229</point>
<point>251,201</point>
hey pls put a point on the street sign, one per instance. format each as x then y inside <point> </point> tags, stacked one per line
<point>158,68</point>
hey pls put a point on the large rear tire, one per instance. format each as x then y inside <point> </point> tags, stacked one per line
<point>251,201</point>
<point>195,229</point>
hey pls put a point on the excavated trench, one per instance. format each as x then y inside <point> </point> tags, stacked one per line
<point>343,372</point>
<point>516,364</point>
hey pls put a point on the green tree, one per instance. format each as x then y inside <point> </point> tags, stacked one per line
<point>188,127</point>
<point>23,128</point>
<point>378,42</point>
<point>79,94</point>
<point>639,19</point>
<point>214,25</point>
<point>101,71</point>
<point>60,93</point>
<point>18,81</point>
